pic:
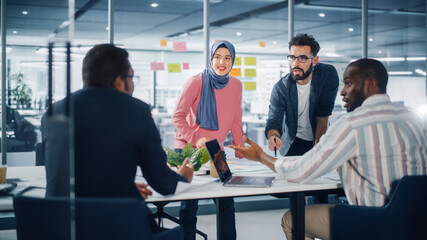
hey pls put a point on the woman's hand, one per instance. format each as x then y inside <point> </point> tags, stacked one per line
<point>201,142</point>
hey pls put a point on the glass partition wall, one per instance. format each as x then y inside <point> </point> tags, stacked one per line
<point>166,43</point>
<point>150,32</point>
<point>401,46</point>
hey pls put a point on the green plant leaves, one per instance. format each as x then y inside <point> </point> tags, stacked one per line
<point>198,156</point>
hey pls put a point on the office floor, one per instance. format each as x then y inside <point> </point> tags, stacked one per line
<point>250,225</point>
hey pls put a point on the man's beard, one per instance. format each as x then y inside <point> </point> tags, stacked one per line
<point>304,74</point>
<point>359,98</point>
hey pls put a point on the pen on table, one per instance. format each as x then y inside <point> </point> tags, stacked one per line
<point>275,150</point>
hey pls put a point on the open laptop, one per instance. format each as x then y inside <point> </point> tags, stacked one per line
<point>224,173</point>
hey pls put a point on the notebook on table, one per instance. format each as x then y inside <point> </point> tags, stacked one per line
<point>220,162</point>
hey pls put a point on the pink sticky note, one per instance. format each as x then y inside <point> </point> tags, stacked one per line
<point>185,66</point>
<point>157,66</point>
<point>179,46</point>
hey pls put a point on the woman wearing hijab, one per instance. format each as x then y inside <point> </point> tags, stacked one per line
<point>209,108</point>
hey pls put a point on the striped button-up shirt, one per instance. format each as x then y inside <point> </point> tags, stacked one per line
<point>371,147</point>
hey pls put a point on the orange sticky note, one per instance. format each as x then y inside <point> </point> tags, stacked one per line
<point>262,43</point>
<point>236,72</point>
<point>163,43</point>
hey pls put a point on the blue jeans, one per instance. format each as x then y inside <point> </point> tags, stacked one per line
<point>188,218</point>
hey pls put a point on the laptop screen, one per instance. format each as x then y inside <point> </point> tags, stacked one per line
<point>219,160</point>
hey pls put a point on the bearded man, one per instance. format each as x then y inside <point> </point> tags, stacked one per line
<point>302,101</point>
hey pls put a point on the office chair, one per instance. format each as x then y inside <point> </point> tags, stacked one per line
<point>160,214</point>
<point>24,135</point>
<point>96,218</point>
<point>403,217</point>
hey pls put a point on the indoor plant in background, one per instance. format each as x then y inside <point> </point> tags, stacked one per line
<point>21,94</point>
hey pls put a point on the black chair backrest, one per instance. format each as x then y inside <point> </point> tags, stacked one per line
<point>24,130</point>
<point>407,209</point>
<point>96,218</point>
<point>403,217</point>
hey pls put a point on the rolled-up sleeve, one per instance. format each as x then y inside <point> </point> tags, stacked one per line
<point>335,147</point>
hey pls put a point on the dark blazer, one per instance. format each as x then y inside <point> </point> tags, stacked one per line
<point>114,133</point>
<point>283,109</point>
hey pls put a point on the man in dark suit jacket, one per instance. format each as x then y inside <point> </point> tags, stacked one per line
<point>113,134</point>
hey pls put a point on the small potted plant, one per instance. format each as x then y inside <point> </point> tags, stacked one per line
<point>21,94</point>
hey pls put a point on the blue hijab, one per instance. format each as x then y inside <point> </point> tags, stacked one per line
<point>206,111</point>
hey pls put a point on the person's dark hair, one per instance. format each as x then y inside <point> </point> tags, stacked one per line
<point>302,39</point>
<point>103,63</point>
<point>372,69</point>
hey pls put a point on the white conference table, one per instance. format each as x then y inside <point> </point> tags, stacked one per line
<point>206,187</point>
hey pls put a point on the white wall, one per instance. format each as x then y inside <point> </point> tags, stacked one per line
<point>410,90</point>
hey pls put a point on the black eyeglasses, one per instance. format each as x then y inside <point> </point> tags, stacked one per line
<point>135,79</point>
<point>301,59</point>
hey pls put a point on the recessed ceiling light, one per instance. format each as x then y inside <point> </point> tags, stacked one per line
<point>380,51</point>
<point>350,29</point>
<point>274,42</point>
<point>322,15</point>
<point>415,58</point>
<point>391,59</point>
<point>371,39</point>
<point>154,5</point>
<point>400,73</point>
<point>107,28</point>
<point>238,33</point>
<point>14,32</point>
<point>25,12</point>
<point>419,71</point>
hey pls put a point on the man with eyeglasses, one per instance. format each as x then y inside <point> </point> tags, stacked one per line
<point>114,134</point>
<point>302,101</point>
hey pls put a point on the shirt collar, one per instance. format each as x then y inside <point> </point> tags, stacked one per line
<point>375,99</point>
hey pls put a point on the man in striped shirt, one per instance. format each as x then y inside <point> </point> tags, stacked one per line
<point>375,144</point>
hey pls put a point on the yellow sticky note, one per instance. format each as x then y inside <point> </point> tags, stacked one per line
<point>174,67</point>
<point>250,72</point>
<point>238,61</point>
<point>163,43</point>
<point>249,86</point>
<point>250,61</point>
<point>261,43</point>
<point>236,72</point>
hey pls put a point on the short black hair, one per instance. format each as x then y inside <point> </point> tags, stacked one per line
<point>372,69</point>
<point>303,39</point>
<point>103,63</point>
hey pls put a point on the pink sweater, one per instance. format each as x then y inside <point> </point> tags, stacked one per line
<point>229,111</point>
